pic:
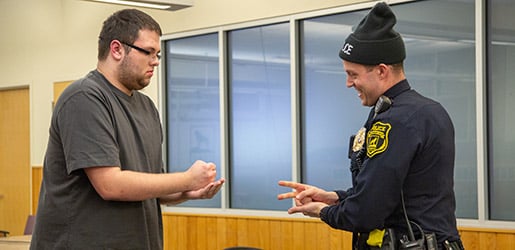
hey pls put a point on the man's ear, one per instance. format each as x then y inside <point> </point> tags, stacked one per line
<point>116,50</point>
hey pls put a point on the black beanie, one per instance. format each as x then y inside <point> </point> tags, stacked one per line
<point>374,41</point>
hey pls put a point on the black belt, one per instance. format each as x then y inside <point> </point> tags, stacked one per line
<point>360,243</point>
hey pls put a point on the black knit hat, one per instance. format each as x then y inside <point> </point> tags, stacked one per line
<point>374,41</point>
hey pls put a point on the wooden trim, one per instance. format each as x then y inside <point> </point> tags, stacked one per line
<point>292,219</point>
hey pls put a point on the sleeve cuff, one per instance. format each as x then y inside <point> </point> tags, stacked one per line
<point>323,213</point>
<point>341,194</point>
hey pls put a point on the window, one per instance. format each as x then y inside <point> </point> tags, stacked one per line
<point>331,113</point>
<point>440,64</point>
<point>501,48</point>
<point>193,97</point>
<point>260,116</point>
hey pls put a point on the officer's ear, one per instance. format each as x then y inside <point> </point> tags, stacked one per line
<point>383,70</point>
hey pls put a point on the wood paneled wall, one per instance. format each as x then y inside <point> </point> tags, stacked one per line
<point>216,232</point>
<point>482,238</point>
<point>190,231</point>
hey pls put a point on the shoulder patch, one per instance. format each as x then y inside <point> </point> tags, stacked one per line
<point>377,138</point>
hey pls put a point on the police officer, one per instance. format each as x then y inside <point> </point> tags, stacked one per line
<point>404,154</point>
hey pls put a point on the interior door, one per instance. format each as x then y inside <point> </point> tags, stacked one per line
<point>14,159</point>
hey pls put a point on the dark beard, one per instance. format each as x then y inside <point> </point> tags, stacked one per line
<point>128,79</point>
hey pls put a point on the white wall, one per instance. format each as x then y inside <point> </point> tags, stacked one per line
<point>47,41</point>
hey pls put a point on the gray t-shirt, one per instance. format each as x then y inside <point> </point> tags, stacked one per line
<point>95,124</point>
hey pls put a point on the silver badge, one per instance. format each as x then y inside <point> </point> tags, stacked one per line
<point>359,140</point>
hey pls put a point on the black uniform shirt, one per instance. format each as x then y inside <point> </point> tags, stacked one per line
<point>408,146</point>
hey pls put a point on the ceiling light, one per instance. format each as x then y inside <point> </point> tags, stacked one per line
<point>154,4</point>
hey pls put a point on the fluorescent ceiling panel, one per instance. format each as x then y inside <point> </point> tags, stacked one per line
<point>154,4</point>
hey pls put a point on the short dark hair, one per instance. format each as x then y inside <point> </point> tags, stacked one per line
<point>396,67</point>
<point>124,25</point>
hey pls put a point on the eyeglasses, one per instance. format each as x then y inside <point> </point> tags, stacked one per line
<point>153,56</point>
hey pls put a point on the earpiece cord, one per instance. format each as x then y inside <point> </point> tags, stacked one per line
<point>410,230</point>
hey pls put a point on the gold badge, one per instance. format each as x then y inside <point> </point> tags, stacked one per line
<point>377,138</point>
<point>359,140</point>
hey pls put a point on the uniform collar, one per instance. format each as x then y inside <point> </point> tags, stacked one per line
<point>397,89</point>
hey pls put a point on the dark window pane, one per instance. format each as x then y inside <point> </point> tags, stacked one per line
<point>331,113</point>
<point>440,64</point>
<point>193,105</point>
<point>260,126</point>
<point>501,66</point>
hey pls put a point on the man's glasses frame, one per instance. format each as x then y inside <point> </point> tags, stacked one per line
<point>142,50</point>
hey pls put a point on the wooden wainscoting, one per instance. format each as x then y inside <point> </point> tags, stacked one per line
<point>485,238</point>
<point>216,232</point>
